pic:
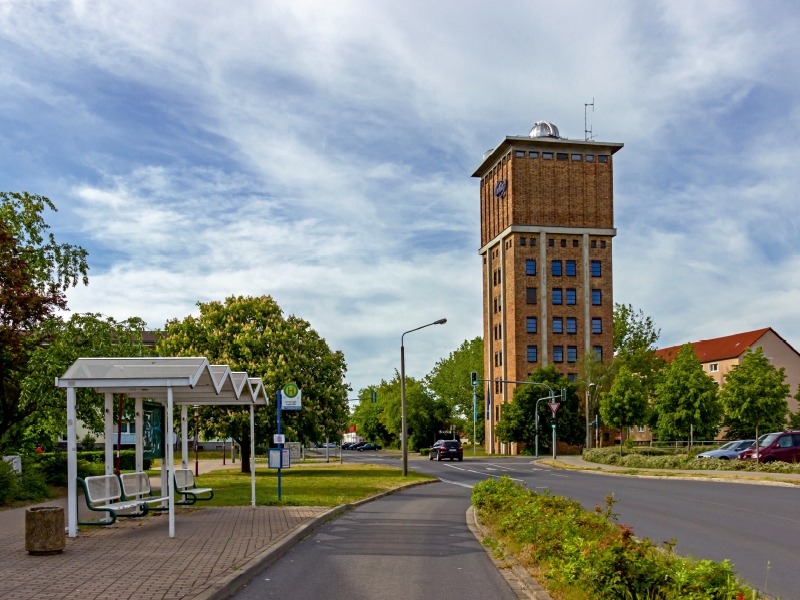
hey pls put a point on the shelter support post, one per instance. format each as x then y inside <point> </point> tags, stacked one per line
<point>72,465</point>
<point>170,465</point>
<point>253,456</point>
<point>184,437</point>
<point>139,422</point>
<point>109,433</point>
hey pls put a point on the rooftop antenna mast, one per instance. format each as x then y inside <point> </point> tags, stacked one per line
<point>587,133</point>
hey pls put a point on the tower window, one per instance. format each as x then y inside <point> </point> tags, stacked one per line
<point>558,325</point>
<point>533,354</point>
<point>603,158</point>
<point>556,268</point>
<point>572,377</point>
<point>570,268</point>
<point>574,243</point>
<point>532,324</point>
<point>571,296</point>
<point>558,354</point>
<point>596,270</point>
<point>533,154</point>
<point>590,158</point>
<point>530,267</point>
<point>597,297</point>
<point>533,241</point>
<point>547,155</point>
<point>598,350</point>
<point>522,241</point>
<point>551,242</point>
<point>519,154</point>
<point>530,295</point>
<point>561,156</point>
<point>594,243</point>
<point>597,325</point>
<point>576,157</point>
<point>558,296</point>
<point>563,243</point>
<point>602,243</point>
<point>572,325</point>
<point>572,354</point>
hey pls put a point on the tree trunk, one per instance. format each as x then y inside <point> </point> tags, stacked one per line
<point>245,446</point>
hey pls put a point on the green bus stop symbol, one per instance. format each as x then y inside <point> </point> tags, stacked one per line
<point>290,390</point>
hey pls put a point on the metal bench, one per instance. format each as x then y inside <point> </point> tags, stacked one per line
<point>105,488</point>
<point>184,485</point>
<point>135,485</point>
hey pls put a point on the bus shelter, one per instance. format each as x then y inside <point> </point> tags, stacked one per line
<point>183,381</point>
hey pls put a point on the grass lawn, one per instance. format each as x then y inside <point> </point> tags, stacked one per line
<point>309,486</point>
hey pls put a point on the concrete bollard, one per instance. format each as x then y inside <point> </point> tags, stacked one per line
<point>44,530</point>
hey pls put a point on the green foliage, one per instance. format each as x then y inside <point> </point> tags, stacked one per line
<point>29,486</point>
<point>88,442</point>
<point>251,334</point>
<point>586,554</point>
<point>754,396</point>
<point>368,416</point>
<point>518,420</point>
<point>793,418</point>
<point>686,396</point>
<point>625,405</point>
<point>53,465</point>
<point>635,337</point>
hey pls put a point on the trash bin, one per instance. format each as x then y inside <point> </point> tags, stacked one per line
<point>44,530</point>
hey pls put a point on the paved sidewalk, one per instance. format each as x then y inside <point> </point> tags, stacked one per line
<point>134,559</point>
<point>577,461</point>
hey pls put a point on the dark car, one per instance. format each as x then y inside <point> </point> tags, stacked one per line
<point>446,449</point>
<point>368,447</point>
<point>781,446</point>
<point>357,445</point>
<point>346,445</point>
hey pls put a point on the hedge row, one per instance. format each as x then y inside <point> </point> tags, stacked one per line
<point>610,456</point>
<point>54,464</point>
<point>582,554</point>
<point>30,486</point>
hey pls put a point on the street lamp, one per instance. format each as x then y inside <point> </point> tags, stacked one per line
<point>588,395</point>
<point>404,429</point>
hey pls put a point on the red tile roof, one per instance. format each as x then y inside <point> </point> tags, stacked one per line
<point>730,346</point>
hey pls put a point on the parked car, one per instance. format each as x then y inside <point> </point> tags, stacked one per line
<point>729,451</point>
<point>348,445</point>
<point>368,447</point>
<point>446,449</point>
<point>782,445</point>
<point>357,445</point>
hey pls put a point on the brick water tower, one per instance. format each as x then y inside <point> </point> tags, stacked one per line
<point>547,224</point>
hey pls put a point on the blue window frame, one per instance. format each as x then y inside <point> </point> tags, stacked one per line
<point>530,267</point>
<point>558,354</point>
<point>598,350</point>
<point>596,269</point>
<point>572,296</point>
<point>558,296</point>
<point>533,354</point>
<point>597,297</point>
<point>571,268</point>
<point>572,354</point>
<point>597,325</point>
<point>572,377</point>
<point>572,325</point>
<point>532,325</point>
<point>556,268</point>
<point>558,325</point>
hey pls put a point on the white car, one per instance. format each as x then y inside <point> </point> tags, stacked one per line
<point>729,451</point>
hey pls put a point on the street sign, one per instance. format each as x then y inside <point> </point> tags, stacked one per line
<point>278,438</point>
<point>275,455</point>
<point>294,450</point>
<point>474,376</point>
<point>291,397</point>
<point>554,407</point>
<point>374,396</point>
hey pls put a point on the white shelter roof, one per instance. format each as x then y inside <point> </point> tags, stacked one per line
<point>192,379</point>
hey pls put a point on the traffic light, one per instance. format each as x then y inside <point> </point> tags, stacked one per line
<point>474,378</point>
<point>374,396</point>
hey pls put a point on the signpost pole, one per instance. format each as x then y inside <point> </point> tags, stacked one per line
<point>474,420</point>
<point>280,446</point>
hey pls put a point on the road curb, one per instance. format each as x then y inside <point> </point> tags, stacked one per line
<point>599,470</point>
<point>230,584</point>
<point>517,576</point>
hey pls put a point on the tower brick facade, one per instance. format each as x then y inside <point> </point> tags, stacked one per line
<point>547,223</point>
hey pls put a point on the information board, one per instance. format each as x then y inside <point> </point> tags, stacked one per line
<point>294,450</point>
<point>153,430</point>
<point>275,455</point>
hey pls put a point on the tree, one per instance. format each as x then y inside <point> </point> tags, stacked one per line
<point>449,381</point>
<point>251,334</point>
<point>754,396</point>
<point>794,417</point>
<point>635,337</point>
<point>595,376</point>
<point>686,399</point>
<point>625,405</point>
<point>518,421</point>
<point>367,417</point>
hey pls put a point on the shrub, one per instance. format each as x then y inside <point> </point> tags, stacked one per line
<point>31,485</point>
<point>578,551</point>
<point>8,483</point>
<point>54,464</point>
<point>88,442</point>
<point>424,451</point>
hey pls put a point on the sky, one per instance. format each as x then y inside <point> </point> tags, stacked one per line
<point>322,152</point>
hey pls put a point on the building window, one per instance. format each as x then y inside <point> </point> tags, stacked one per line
<point>603,158</point>
<point>641,428</point>
<point>558,354</point>
<point>572,354</point>
<point>563,243</point>
<point>561,156</point>
<point>497,413</point>
<point>555,269</point>
<point>533,154</point>
<point>558,296</point>
<point>598,350</point>
<point>572,377</point>
<point>713,367</point>
<point>551,242</point>
<point>558,325</point>
<point>597,297</point>
<point>577,157</point>
<point>532,324</point>
<point>590,158</point>
<point>574,243</point>
<point>596,271</point>
<point>533,354</point>
<point>572,296</point>
<point>533,241</point>
<point>530,267</point>
<point>602,243</point>
<point>594,243</point>
<point>522,241</point>
<point>495,359</point>
<point>572,325</point>
<point>547,155</point>
<point>519,154</point>
<point>571,268</point>
<point>530,295</point>
<point>597,325</point>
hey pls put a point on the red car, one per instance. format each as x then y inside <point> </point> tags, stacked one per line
<point>783,446</point>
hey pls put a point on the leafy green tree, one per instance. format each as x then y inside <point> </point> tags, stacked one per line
<point>686,399</point>
<point>754,396</point>
<point>635,337</point>
<point>625,405</point>
<point>518,419</point>
<point>449,381</point>
<point>251,334</point>
<point>794,417</point>
<point>367,417</point>
<point>595,376</point>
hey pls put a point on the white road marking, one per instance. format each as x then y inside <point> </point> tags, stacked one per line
<point>454,467</point>
<point>488,469</point>
<point>455,483</point>
<point>501,467</point>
